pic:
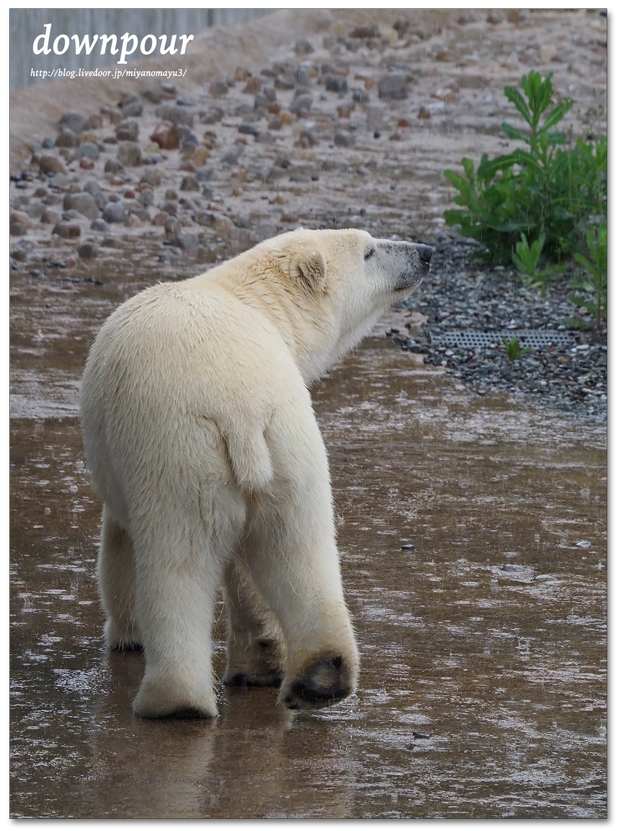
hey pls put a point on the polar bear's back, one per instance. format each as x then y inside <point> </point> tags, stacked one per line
<point>191,385</point>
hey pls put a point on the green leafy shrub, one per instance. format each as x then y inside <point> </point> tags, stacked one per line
<point>592,281</point>
<point>527,257</point>
<point>545,191</point>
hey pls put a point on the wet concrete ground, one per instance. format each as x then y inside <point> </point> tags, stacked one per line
<point>473,536</point>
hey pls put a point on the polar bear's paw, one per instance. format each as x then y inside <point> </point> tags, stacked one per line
<point>256,663</point>
<point>328,680</point>
<point>170,697</point>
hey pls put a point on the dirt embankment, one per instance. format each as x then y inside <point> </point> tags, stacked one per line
<point>318,117</point>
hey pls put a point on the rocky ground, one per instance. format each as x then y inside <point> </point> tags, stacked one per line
<point>350,125</point>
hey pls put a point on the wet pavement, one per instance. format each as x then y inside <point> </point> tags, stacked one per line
<point>473,537</point>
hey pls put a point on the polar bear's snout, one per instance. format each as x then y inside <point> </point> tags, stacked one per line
<point>410,262</point>
<point>425,252</point>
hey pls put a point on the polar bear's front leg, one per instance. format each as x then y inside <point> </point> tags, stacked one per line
<point>290,550</point>
<point>256,650</point>
<point>117,578</point>
<point>298,573</point>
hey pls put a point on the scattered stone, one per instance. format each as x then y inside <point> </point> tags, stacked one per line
<point>222,225</point>
<point>249,129</point>
<point>128,130</point>
<point>306,140</point>
<point>187,241</point>
<point>100,225</point>
<point>303,47</point>
<point>88,251</point>
<point>114,212</point>
<point>301,102</point>
<point>131,106</point>
<point>401,26</point>
<point>360,96</point>
<point>114,166</point>
<point>218,89</point>
<point>336,83</point>
<point>189,183</point>
<point>211,116</point>
<point>232,156</point>
<point>370,31</point>
<point>205,255</point>
<point>50,217</point>
<point>20,222</point>
<point>88,150</point>
<point>66,230</point>
<point>59,181</point>
<point>166,135</point>
<point>253,86</point>
<point>84,203</point>
<point>67,138</point>
<point>74,121</point>
<point>168,89</point>
<point>132,220</point>
<point>394,86</point>
<point>51,164</point>
<point>175,114</point>
<point>114,114</point>
<point>129,154</point>
<point>344,139</point>
<point>496,16</point>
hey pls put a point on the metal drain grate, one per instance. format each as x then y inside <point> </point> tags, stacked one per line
<point>472,339</point>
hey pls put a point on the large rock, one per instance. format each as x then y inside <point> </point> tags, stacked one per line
<point>175,115</point>
<point>128,130</point>
<point>88,150</point>
<point>77,122</point>
<point>51,164</point>
<point>67,230</point>
<point>129,154</point>
<point>394,85</point>
<point>84,203</point>
<point>114,212</point>
<point>166,135</point>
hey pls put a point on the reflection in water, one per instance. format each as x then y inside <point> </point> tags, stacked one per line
<point>473,540</point>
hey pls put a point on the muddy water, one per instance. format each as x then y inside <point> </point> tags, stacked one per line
<point>472,533</point>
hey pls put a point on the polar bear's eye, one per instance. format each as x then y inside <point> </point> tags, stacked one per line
<point>369,253</point>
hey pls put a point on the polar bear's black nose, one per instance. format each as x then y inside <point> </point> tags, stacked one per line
<point>425,252</point>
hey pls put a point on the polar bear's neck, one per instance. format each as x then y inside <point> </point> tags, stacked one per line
<point>308,330</point>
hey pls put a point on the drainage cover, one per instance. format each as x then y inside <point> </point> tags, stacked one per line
<point>471,339</point>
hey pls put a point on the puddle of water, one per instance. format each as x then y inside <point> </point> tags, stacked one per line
<point>480,612</point>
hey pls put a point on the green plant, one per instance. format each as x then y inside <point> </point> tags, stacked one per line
<point>526,258</point>
<point>547,189</point>
<point>592,281</point>
<point>514,349</point>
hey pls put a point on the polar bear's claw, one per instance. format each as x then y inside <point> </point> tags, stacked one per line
<point>327,681</point>
<point>273,679</point>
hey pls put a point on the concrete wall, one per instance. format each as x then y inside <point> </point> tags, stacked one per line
<point>27,24</point>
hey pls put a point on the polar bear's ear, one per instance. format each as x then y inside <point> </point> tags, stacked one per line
<point>312,268</point>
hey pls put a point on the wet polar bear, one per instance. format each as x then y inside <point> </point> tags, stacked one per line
<point>203,445</point>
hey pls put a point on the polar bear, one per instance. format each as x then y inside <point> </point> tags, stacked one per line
<point>201,438</point>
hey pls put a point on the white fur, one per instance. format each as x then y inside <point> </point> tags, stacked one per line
<point>203,445</point>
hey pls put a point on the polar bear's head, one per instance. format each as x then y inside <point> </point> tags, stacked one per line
<point>343,281</point>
